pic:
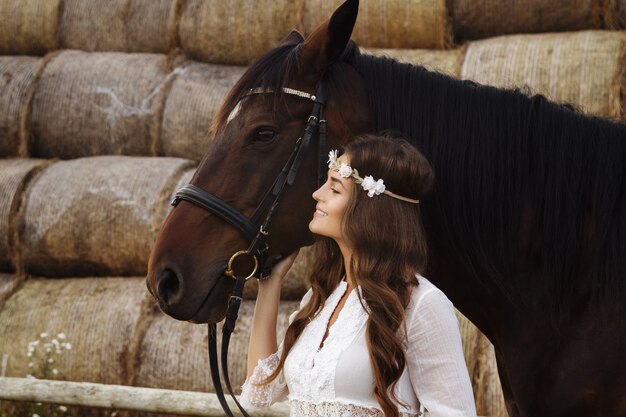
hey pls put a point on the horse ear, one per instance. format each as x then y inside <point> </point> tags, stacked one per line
<point>328,41</point>
<point>294,38</point>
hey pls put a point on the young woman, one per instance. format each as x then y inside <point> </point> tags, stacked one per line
<point>372,336</point>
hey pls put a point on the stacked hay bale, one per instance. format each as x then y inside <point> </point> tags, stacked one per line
<point>584,68</point>
<point>141,95</point>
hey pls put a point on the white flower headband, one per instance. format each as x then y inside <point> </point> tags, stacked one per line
<point>368,183</point>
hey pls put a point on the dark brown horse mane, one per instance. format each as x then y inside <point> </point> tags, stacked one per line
<point>548,213</point>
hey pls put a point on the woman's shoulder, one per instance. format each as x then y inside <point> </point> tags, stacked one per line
<point>427,297</point>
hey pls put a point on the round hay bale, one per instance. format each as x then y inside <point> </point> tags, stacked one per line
<point>585,69</point>
<point>482,368</point>
<point>615,14</point>
<point>235,32</point>
<point>297,281</point>
<point>98,317</point>
<point>477,19</point>
<point>9,283</point>
<point>389,23</point>
<point>196,95</point>
<point>14,175</point>
<point>173,354</point>
<point>89,104</point>
<point>96,216</point>
<point>445,61</point>
<point>17,75</point>
<point>118,25</point>
<point>28,26</point>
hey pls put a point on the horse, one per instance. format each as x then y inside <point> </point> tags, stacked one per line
<point>526,222</point>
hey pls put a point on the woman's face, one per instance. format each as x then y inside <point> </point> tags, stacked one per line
<point>332,200</point>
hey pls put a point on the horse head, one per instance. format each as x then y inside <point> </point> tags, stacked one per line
<point>256,130</point>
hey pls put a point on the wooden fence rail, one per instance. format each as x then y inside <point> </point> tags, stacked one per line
<point>122,397</point>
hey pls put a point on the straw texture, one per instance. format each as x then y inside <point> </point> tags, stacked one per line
<point>477,19</point>
<point>17,74</point>
<point>483,371</point>
<point>445,61</point>
<point>28,26</point>
<point>585,69</point>
<point>389,23</point>
<point>9,283</point>
<point>615,14</point>
<point>118,25</point>
<point>98,317</point>
<point>195,97</point>
<point>174,354</point>
<point>98,103</point>
<point>97,216</point>
<point>14,174</point>
<point>236,31</point>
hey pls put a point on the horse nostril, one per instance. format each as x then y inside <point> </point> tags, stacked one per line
<point>168,285</point>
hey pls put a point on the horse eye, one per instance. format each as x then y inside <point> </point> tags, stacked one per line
<point>265,135</point>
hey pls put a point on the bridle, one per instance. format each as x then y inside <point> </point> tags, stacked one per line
<point>258,249</point>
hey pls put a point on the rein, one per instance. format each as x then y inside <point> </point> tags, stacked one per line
<point>258,249</point>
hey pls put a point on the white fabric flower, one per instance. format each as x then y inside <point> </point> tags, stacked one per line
<point>345,171</point>
<point>373,187</point>
<point>332,156</point>
<point>380,187</point>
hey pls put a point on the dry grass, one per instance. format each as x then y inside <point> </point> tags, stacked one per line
<point>14,175</point>
<point>237,31</point>
<point>585,69</point>
<point>389,23</point>
<point>118,25</point>
<point>482,368</point>
<point>196,95</point>
<point>98,316</point>
<point>96,216</point>
<point>17,75</point>
<point>445,61</point>
<point>477,19</point>
<point>29,27</point>
<point>98,103</point>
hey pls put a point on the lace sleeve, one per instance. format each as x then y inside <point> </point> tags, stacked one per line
<point>254,394</point>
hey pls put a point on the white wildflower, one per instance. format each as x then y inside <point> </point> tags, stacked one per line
<point>55,371</point>
<point>31,365</point>
<point>62,408</point>
<point>35,415</point>
<point>68,346</point>
<point>29,354</point>
<point>62,337</point>
<point>50,360</point>
<point>43,335</point>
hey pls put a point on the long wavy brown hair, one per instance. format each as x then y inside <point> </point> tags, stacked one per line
<point>389,247</point>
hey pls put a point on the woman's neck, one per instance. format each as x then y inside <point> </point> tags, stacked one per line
<point>346,252</point>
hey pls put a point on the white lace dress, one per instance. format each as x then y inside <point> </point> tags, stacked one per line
<point>337,380</point>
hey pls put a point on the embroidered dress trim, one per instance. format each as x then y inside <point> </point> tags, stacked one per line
<point>336,409</point>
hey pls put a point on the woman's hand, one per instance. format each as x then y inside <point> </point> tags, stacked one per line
<point>279,271</point>
<point>283,266</point>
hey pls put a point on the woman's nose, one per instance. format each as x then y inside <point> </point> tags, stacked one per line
<point>316,194</point>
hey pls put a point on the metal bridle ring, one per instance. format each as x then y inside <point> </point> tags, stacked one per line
<point>229,269</point>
